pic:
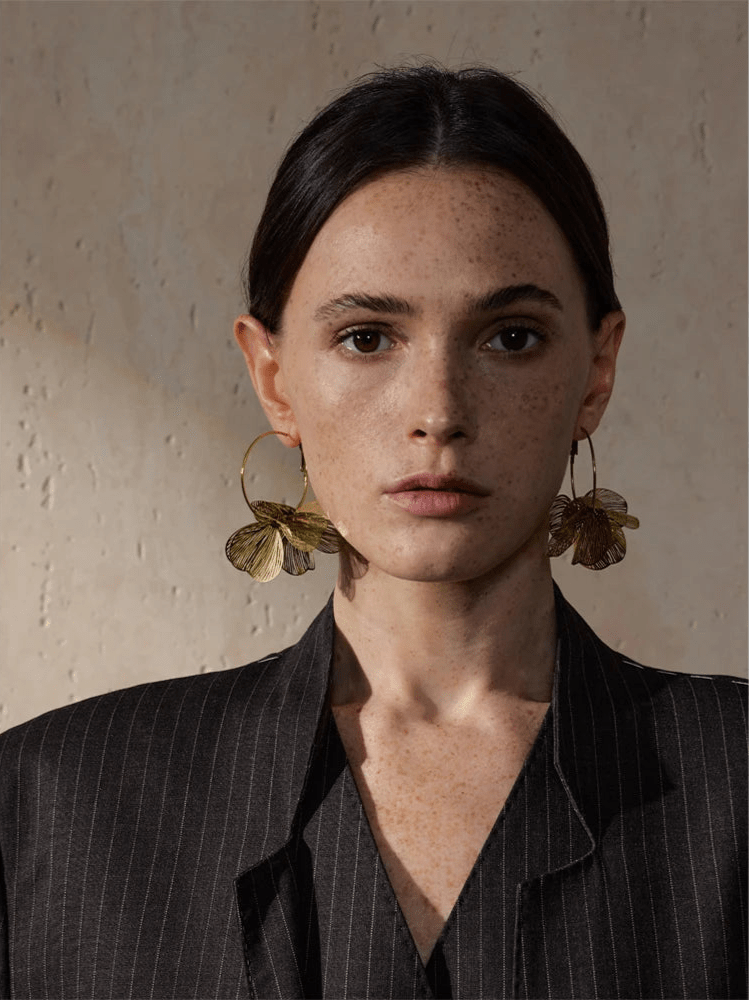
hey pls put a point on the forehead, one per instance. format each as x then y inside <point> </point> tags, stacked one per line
<point>455,228</point>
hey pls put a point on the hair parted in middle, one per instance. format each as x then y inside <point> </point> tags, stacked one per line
<point>411,117</point>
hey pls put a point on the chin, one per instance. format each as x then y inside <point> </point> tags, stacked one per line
<point>458,559</point>
<point>444,568</point>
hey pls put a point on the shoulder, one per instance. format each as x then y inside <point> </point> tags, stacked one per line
<point>720,698</point>
<point>151,722</point>
<point>688,731</point>
<point>689,728</point>
<point>611,681</point>
<point>197,731</point>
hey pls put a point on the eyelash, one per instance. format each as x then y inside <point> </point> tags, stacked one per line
<point>346,338</point>
<point>525,328</point>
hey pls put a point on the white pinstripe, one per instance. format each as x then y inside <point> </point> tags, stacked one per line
<point>481,927</point>
<point>570,969</point>
<point>70,850</point>
<point>108,864</point>
<point>268,950</point>
<point>739,882</point>
<point>504,909</point>
<point>244,840</point>
<point>200,845</point>
<point>239,745</point>
<point>353,898</point>
<point>667,855</point>
<point>655,938</point>
<point>710,821</point>
<point>545,938</point>
<point>295,742</point>
<point>689,842</point>
<point>392,952</point>
<point>36,832</point>
<point>622,845</point>
<point>52,846</point>
<point>599,828</point>
<point>370,951</point>
<point>333,886</point>
<point>316,853</point>
<point>137,827</point>
<point>573,804</point>
<point>178,847</point>
<point>548,865</point>
<point>292,673</point>
<point>457,947</point>
<point>88,846</point>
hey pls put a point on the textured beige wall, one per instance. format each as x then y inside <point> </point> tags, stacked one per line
<point>138,142</point>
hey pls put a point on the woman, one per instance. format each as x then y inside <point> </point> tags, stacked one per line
<point>449,787</point>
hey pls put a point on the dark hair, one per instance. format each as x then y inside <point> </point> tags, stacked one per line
<point>404,118</point>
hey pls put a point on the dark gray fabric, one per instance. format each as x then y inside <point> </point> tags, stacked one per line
<point>160,842</point>
<point>357,913</point>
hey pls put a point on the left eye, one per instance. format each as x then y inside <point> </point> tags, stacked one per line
<point>367,340</point>
<point>514,339</point>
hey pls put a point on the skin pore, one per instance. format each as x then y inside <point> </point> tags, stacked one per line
<point>437,328</point>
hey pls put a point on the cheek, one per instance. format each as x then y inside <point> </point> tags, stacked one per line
<point>338,428</point>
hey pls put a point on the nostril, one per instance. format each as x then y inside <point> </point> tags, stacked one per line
<point>439,434</point>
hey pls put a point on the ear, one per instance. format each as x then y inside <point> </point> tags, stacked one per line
<point>606,342</point>
<point>263,364</point>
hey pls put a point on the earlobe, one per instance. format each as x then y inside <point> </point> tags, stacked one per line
<point>608,339</point>
<point>263,364</point>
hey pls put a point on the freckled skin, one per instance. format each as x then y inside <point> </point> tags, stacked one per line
<point>436,239</point>
<point>445,647</point>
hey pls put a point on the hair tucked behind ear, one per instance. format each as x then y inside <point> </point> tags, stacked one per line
<point>405,118</point>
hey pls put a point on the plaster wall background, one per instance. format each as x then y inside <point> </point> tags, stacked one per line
<point>138,142</point>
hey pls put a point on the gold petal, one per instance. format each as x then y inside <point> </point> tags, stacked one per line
<point>268,512</point>
<point>305,530</point>
<point>295,561</point>
<point>625,520</point>
<point>565,519</point>
<point>600,543</point>
<point>331,540</point>
<point>557,510</point>
<point>608,499</point>
<point>258,550</point>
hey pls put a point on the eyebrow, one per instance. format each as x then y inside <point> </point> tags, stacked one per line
<point>497,299</point>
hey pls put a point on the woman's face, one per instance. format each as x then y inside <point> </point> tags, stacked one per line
<point>435,361</point>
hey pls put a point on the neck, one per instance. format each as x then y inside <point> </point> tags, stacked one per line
<point>446,646</point>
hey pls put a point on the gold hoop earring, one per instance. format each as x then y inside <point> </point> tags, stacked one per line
<point>283,537</point>
<point>595,523</point>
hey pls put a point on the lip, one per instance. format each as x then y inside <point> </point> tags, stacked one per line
<point>434,496</point>
<point>435,481</point>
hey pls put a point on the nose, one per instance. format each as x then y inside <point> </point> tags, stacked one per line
<point>439,400</point>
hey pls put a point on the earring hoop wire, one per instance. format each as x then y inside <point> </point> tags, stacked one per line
<point>302,468</point>
<point>573,453</point>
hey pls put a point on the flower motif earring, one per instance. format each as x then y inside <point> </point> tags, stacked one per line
<point>283,537</point>
<point>595,523</point>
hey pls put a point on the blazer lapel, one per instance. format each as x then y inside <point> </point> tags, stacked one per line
<point>274,895</point>
<point>571,935</point>
<point>277,935</point>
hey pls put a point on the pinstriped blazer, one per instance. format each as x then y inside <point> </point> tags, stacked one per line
<point>150,838</point>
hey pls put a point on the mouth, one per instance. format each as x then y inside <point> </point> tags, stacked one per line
<point>428,495</point>
<point>434,482</point>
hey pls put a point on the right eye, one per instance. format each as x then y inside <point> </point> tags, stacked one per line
<point>366,341</point>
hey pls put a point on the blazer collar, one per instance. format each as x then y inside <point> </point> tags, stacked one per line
<point>600,748</point>
<point>595,734</point>
<point>594,718</point>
